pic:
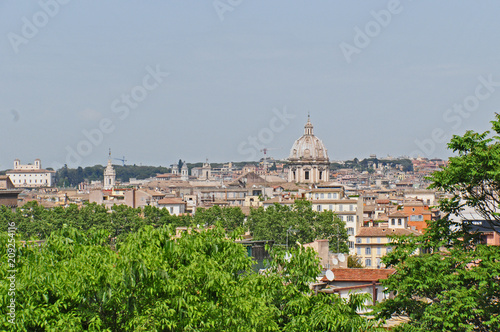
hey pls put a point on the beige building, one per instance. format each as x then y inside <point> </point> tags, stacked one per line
<point>372,244</point>
<point>30,175</point>
<point>348,209</point>
<point>308,160</point>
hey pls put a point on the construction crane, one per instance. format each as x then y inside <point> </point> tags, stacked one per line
<point>123,160</point>
<point>264,150</point>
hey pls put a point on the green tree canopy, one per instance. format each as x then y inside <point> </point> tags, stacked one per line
<point>153,281</point>
<point>297,223</point>
<point>454,283</point>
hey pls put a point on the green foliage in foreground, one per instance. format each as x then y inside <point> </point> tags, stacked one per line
<point>455,285</point>
<point>202,281</point>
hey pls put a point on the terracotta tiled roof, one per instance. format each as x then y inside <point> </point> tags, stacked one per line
<point>398,214</point>
<point>384,231</point>
<point>277,200</point>
<point>382,201</point>
<point>170,201</point>
<point>365,275</point>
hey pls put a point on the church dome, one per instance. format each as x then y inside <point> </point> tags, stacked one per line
<point>308,147</point>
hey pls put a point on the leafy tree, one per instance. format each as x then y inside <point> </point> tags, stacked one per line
<point>454,284</point>
<point>229,217</point>
<point>298,223</point>
<point>201,281</point>
<point>354,262</point>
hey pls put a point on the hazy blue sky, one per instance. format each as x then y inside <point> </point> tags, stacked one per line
<point>376,76</point>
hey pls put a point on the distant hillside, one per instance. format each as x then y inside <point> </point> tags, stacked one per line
<point>71,177</point>
<point>363,165</point>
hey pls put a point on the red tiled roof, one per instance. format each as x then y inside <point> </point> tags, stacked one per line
<point>170,201</point>
<point>398,214</point>
<point>365,275</point>
<point>383,231</point>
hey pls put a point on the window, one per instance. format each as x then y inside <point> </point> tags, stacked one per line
<point>358,251</point>
<point>350,218</point>
<point>317,196</point>
<point>306,175</point>
<point>399,222</point>
<point>393,222</point>
<point>368,251</point>
<point>417,218</point>
<point>322,196</point>
<point>319,208</point>
<point>379,251</point>
<point>351,245</point>
<point>379,263</point>
<point>413,209</point>
<point>351,207</point>
<point>367,240</point>
<point>358,240</point>
<point>389,249</point>
<point>350,231</point>
<point>331,207</point>
<point>368,262</point>
<point>335,196</point>
<point>341,207</point>
<point>379,240</point>
<point>329,195</point>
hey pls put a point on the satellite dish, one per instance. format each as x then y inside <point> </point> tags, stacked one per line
<point>335,261</point>
<point>329,275</point>
<point>341,257</point>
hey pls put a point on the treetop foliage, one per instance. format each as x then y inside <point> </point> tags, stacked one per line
<point>446,279</point>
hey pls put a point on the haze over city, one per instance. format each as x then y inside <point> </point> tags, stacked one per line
<point>220,80</point>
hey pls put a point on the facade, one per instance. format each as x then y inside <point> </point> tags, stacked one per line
<point>8,192</point>
<point>349,210</point>
<point>30,176</point>
<point>419,215</point>
<point>184,172</point>
<point>175,206</point>
<point>109,175</point>
<point>308,160</point>
<point>372,243</point>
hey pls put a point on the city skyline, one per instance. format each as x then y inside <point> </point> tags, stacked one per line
<point>167,81</point>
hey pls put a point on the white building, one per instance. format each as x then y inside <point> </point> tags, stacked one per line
<point>31,175</point>
<point>308,160</point>
<point>109,175</point>
<point>175,206</point>
<point>348,209</point>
